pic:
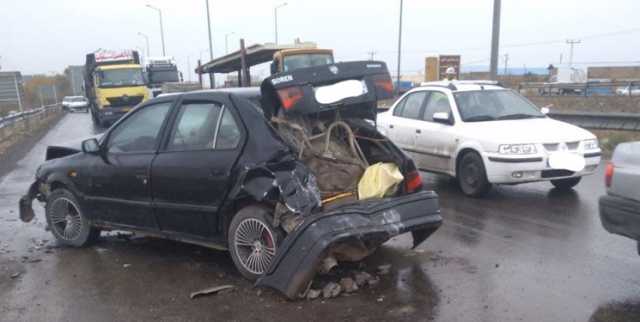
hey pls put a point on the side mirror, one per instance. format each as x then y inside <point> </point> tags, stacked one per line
<point>442,117</point>
<point>90,146</point>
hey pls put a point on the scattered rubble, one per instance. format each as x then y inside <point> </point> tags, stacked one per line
<point>348,284</point>
<point>211,290</point>
<point>331,290</point>
<point>362,278</point>
<point>15,275</point>
<point>313,294</point>
<point>384,269</point>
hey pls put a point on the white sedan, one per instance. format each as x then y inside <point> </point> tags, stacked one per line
<point>484,134</point>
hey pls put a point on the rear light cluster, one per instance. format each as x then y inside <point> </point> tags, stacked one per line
<point>383,83</point>
<point>608,174</point>
<point>413,181</point>
<point>290,96</point>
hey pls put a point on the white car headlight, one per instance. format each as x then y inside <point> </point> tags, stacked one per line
<point>590,144</point>
<point>518,149</point>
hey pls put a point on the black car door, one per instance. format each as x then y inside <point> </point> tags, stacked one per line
<point>191,174</point>
<point>119,185</point>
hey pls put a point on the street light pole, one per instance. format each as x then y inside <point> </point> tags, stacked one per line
<point>399,49</point>
<point>495,40</point>
<point>212,79</point>
<point>572,42</point>
<point>226,42</point>
<point>164,52</point>
<point>146,38</point>
<point>275,16</point>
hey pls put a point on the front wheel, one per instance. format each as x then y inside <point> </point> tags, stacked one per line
<point>565,184</point>
<point>253,241</point>
<point>67,220</point>
<point>472,176</point>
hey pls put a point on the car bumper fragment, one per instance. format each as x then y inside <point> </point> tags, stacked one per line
<point>368,224</point>
<point>620,216</point>
<point>25,203</point>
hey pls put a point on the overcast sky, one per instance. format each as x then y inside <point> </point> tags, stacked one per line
<point>43,36</point>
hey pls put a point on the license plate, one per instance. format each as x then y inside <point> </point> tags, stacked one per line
<point>566,161</point>
<point>331,94</point>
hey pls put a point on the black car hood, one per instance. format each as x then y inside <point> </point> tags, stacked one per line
<point>67,148</point>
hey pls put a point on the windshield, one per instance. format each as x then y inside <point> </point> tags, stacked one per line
<point>163,76</point>
<point>306,60</point>
<point>490,105</point>
<point>120,77</point>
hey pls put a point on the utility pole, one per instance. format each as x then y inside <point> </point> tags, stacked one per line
<point>372,54</point>
<point>146,38</point>
<point>399,48</point>
<point>571,43</point>
<point>212,79</point>
<point>55,94</point>
<point>506,64</point>
<point>495,40</point>
<point>275,18</point>
<point>164,52</point>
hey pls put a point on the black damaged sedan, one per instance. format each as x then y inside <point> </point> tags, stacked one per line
<point>212,168</point>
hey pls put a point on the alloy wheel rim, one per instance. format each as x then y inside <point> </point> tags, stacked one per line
<point>66,219</point>
<point>254,245</point>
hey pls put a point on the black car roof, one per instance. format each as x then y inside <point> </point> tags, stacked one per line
<point>250,93</point>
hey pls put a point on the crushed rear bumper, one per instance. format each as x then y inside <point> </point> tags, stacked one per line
<point>368,223</point>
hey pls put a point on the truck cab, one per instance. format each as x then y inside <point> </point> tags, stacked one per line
<point>160,71</point>
<point>290,59</point>
<point>114,84</point>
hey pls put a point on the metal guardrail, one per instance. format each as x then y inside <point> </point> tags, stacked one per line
<point>582,89</point>
<point>600,121</point>
<point>10,119</point>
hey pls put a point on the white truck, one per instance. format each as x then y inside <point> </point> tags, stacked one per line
<point>565,81</point>
<point>159,71</point>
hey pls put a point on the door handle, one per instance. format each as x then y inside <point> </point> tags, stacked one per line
<point>418,131</point>
<point>390,126</point>
<point>142,177</point>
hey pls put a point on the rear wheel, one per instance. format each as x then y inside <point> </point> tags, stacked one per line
<point>67,221</point>
<point>472,176</point>
<point>565,184</point>
<point>253,241</point>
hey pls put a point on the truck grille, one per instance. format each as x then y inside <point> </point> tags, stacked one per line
<point>125,100</point>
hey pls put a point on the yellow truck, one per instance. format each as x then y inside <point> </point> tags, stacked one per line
<point>289,59</point>
<point>114,84</point>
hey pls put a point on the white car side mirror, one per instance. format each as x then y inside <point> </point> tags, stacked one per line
<point>545,110</point>
<point>441,117</point>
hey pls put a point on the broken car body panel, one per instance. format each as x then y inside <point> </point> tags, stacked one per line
<point>370,222</point>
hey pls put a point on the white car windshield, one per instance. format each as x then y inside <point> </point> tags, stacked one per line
<point>491,105</point>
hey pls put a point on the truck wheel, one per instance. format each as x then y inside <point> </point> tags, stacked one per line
<point>253,241</point>
<point>565,184</point>
<point>67,221</point>
<point>472,176</point>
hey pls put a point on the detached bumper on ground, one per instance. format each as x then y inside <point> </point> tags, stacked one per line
<point>348,232</point>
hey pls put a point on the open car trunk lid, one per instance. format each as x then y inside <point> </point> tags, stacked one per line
<point>353,88</point>
<point>364,222</point>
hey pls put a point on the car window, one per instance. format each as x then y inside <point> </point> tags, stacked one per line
<point>139,132</point>
<point>413,105</point>
<point>397,111</point>
<point>436,103</point>
<point>195,127</point>
<point>229,132</point>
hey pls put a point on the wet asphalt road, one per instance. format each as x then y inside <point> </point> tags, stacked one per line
<point>525,253</point>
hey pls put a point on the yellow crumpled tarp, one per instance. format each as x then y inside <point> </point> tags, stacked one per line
<point>379,180</point>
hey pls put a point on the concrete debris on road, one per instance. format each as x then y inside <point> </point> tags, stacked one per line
<point>15,275</point>
<point>313,294</point>
<point>362,278</point>
<point>348,284</point>
<point>210,291</point>
<point>384,269</point>
<point>331,290</point>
